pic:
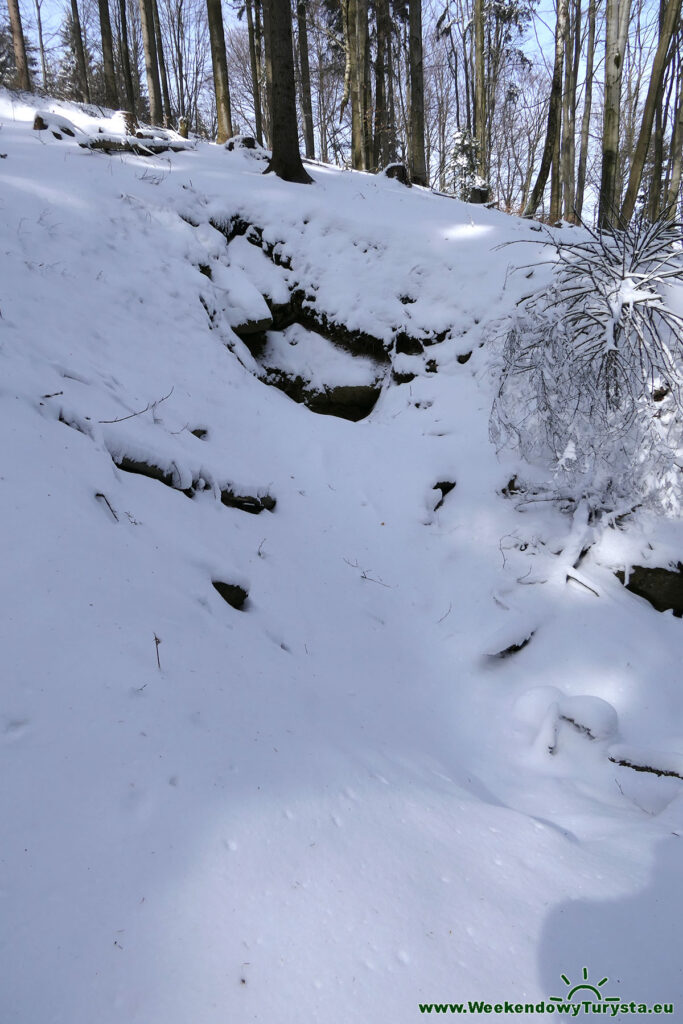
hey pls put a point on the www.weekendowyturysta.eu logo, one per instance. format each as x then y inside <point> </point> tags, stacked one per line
<point>583,996</point>
<point>585,988</point>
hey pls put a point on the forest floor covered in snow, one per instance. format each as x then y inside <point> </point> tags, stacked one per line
<point>273,745</point>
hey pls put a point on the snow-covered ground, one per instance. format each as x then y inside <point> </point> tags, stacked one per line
<point>338,802</point>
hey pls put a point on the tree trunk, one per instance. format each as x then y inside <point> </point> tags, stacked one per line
<point>554,111</point>
<point>286,158</point>
<point>125,60</point>
<point>671,18</point>
<point>165,92</point>
<point>80,53</point>
<point>568,158</point>
<point>418,168</point>
<point>265,9</point>
<point>41,45</point>
<point>110,92</point>
<point>220,70</point>
<point>255,75</point>
<point>353,78</point>
<point>554,211</point>
<point>676,154</point>
<point>585,121</point>
<point>306,103</point>
<point>391,101</point>
<point>616,28</point>
<point>23,78</point>
<point>151,67</point>
<point>480,90</point>
<point>379,148</point>
<point>366,81</point>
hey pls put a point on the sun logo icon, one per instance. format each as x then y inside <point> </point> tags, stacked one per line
<point>584,986</point>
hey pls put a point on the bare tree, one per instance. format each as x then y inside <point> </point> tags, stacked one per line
<point>110,90</point>
<point>306,101</point>
<point>124,52</point>
<point>670,21</point>
<point>356,80</point>
<point>255,63</point>
<point>41,45</point>
<point>418,166</point>
<point>286,158</point>
<point>23,77</point>
<point>586,117</point>
<point>163,77</point>
<point>151,64</point>
<point>220,70</point>
<point>82,70</point>
<point>616,28</point>
<point>554,111</point>
<point>480,126</point>
<point>676,153</point>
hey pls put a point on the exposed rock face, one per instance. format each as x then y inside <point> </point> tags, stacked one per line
<point>399,172</point>
<point>253,503</point>
<point>245,142</point>
<point>348,401</point>
<point>249,327</point>
<point>663,588</point>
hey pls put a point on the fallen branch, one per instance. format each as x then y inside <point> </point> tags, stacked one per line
<point>150,405</point>
<point>625,763</point>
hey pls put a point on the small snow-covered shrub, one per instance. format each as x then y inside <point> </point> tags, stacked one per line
<point>591,375</point>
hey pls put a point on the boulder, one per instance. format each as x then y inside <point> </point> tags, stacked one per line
<point>663,588</point>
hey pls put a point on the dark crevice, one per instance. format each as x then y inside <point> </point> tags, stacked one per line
<point>248,502</point>
<point>513,648</point>
<point>349,402</point>
<point>445,486</point>
<point>235,595</point>
<point>147,469</point>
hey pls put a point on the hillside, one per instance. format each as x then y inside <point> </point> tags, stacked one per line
<point>340,799</point>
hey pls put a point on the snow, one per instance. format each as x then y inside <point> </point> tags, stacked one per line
<point>334,804</point>
<point>303,353</point>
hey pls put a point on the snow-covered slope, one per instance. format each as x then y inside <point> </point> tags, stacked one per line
<point>339,801</point>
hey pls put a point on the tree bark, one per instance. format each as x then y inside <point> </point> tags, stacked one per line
<point>365,82</point>
<point>568,158</point>
<point>23,77</point>
<point>165,92</point>
<point>554,211</point>
<point>265,10</point>
<point>151,66</point>
<point>379,148</point>
<point>676,154</point>
<point>220,70</point>
<point>306,102</point>
<point>80,53</point>
<point>110,91</point>
<point>353,83</point>
<point>125,60</point>
<point>418,168</point>
<point>255,74</point>
<point>585,120</point>
<point>671,18</point>
<point>480,90</point>
<point>554,111</point>
<point>286,158</point>
<point>41,45</point>
<point>616,28</point>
